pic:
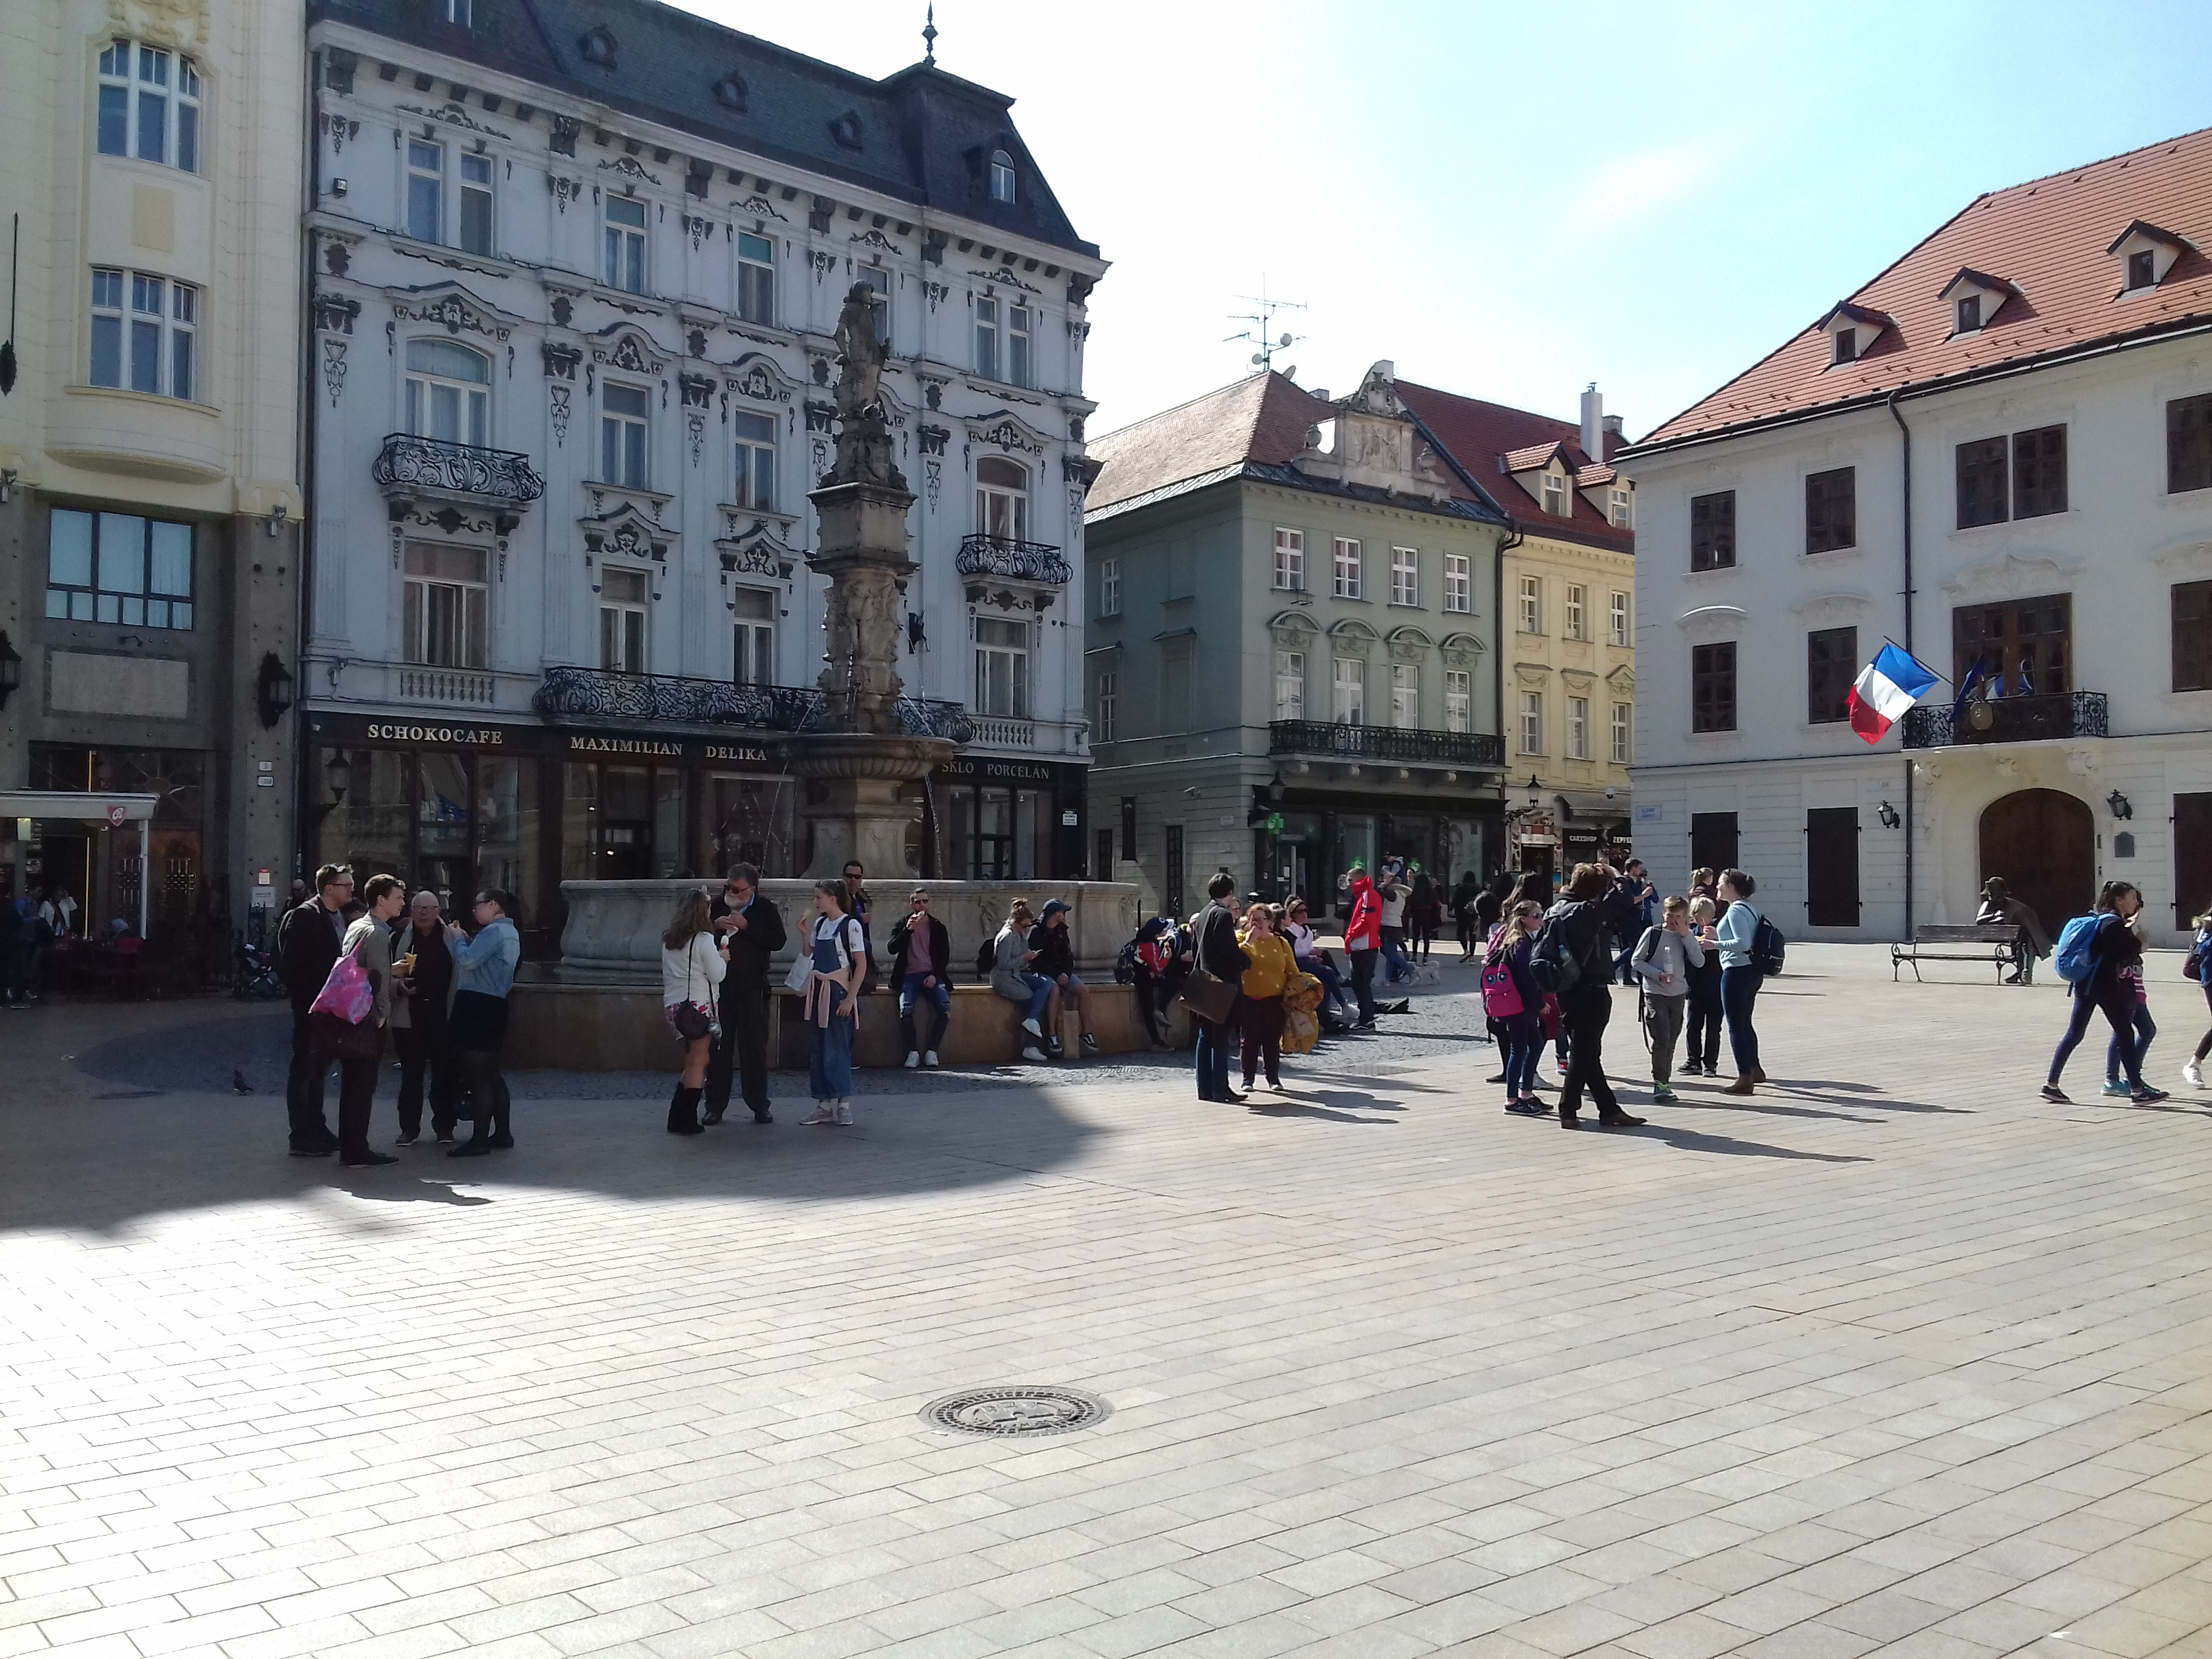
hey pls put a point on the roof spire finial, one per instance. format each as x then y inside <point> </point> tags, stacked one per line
<point>929,36</point>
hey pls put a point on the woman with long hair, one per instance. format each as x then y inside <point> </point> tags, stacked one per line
<point>483,974</point>
<point>1739,977</point>
<point>2193,1072</point>
<point>692,965</point>
<point>2113,947</point>
<point>1591,908</point>
<point>1260,1005</point>
<point>838,954</point>
<point>1520,1035</point>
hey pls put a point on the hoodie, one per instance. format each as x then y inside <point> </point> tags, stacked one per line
<point>1363,931</point>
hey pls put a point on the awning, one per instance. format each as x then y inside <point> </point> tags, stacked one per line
<point>1595,808</point>
<point>93,809</point>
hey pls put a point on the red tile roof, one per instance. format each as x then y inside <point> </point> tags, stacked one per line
<point>1534,457</point>
<point>1481,437</point>
<point>2050,236</point>
<point>1262,418</point>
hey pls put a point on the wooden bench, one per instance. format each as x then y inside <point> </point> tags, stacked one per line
<point>1993,943</point>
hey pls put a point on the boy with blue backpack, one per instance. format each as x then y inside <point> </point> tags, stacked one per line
<point>2093,951</point>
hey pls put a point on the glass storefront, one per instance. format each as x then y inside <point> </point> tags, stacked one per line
<point>105,868</point>
<point>451,821</point>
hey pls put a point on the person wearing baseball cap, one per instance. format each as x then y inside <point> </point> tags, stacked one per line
<point>1055,961</point>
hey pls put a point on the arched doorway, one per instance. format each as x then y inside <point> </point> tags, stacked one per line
<point>2042,842</point>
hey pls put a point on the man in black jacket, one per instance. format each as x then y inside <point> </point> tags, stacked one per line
<point>921,962</point>
<point>753,928</point>
<point>308,943</point>
<point>1055,960</point>
<point>1215,937</point>
<point>1595,905</point>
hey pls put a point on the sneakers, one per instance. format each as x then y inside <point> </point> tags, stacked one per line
<point>2193,1075</point>
<point>2149,1096</point>
<point>2056,1095</point>
<point>845,1113</point>
<point>1089,1043</point>
<point>1031,1052</point>
<point>2114,1086</point>
<point>1527,1109</point>
<point>1693,1068</point>
<point>1033,1028</point>
<point>930,1059</point>
<point>1662,1096</point>
<point>407,1140</point>
<point>824,1112</point>
<point>913,1060</point>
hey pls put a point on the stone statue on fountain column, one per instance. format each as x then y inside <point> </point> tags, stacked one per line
<point>864,438</point>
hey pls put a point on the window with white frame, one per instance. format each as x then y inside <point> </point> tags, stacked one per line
<point>623,596</point>
<point>1621,512</point>
<point>1405,576</point>
<point>624,412</point>
<point>118,568</point>
<point>1578,729</point>
<point>475,235</point>
<point>1290,685</point>
<point>1109,588</point>
<point>1002,176</point>
<point>1618,614</point>
<point>1109,697</point>
<point>1348,691</point>
<point>443,605</point>
<point>454,11</point>
<point>1405,697</point>
<point>624,265</point>
<point>426,190</point>
<point>1459,700</point>
<point>1018,369</point>
<point>144,333</point>
<point>1002,668</point>
<point>1531,605</point>
<point>1347,567</point>
<point>1289,561</point>
<point>1002,498</point>
<point>1459,583</point>
<point>756,278</point>
<point>1621,714</point>
<point>1555,494</point>
<point>987,338</point>
<point>1532,722</point>
<point>752,661</point>
<point>1577,612</point>
<point>755,441</point>
<point>150,105</point>
<point>448,392</point>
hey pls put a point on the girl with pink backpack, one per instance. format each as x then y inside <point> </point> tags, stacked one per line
<point>1511,997</point>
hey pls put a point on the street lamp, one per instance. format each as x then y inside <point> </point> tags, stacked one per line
<point>11,668</point>
<point>1888,815</point>
<point>338,774</point>
<point>273,690</point>
<point>2121,806</point>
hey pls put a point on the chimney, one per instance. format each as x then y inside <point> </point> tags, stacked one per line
<point>1612,426</point>
<point>1593,423</point>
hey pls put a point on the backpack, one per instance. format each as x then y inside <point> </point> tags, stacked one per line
<point>1767,947</point>
<point>2192,965</point>
<point>1501,997</point>
<point>2072,958</point>
<point>1553,966</point>
<point>987,957</point>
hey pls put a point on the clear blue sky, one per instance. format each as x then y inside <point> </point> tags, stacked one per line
<point>1512,200</point>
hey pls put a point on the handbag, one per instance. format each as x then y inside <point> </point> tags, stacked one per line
<point>1211,998</point>
<point>346,996</point>
<point>343,1039</point>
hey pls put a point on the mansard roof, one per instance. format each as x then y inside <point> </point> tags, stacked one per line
<point>920,136</point>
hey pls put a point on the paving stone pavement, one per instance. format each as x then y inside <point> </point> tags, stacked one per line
<point>1892,1358</point>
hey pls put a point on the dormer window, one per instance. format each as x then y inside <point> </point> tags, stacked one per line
<point>2140,271</point>
<point>1555,494</point>
<point>2146,254</point>
<point>1852,330</point>
<point>1966,314</point>
<point>1847,345</point>
<point>1002,176</point>
<point>1975,299</point>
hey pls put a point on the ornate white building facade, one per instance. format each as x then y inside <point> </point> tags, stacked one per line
<point>575,278</point>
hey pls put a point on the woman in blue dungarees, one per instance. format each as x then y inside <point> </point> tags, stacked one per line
<point>839,954</point>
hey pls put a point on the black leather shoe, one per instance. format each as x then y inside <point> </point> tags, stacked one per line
<point>298,1150</point>
<point>1621,1121</point>
<point>713,1115</point>
<point>502,1142</point>
<point>762,1114</point>
<point>470,1149</point>
<point>367,1160</point>
<point>1569,1120</point>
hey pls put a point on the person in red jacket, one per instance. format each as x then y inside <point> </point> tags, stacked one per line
<point>1362,939</point>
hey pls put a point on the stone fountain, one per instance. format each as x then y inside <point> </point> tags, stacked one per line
<point>855,765</point>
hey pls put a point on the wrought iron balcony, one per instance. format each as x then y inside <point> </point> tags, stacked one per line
<point>409,463</point>
<point>1385,743</point>
<point>2011,720</point>
<point>1020,561</point>
<point>606,694</point>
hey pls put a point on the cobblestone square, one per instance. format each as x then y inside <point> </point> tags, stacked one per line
<point>1890,1358</point>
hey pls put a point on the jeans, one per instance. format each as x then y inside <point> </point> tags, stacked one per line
<point>1040,994</point>
<point>743,1050</point>
<point>424,1053</point>
<point>1332,982</point>
<point>829,1052</point>
<point>1522,1039</point>
<point>1583,1013</point>
<point>1214,1044</point>
<point>1151,1005</point>
<point>2145,1029</point>
<point>303,1083</point>
<point>1663,1018</point>
<point>1363,982</point>
<point>1261,1021</point>
<point>1738,990</point>
<point>1394,956</point>
<point>911,988</point>
<point>2118,1006</point>
<point>1704,1042</point>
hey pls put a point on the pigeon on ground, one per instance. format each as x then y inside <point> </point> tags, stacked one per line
<point>238,1083</point>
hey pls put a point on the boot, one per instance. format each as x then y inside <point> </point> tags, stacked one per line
<point>684,1111</point>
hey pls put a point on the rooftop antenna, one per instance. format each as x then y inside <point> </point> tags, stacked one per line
<point>1262,331</point>
<point>929,37</point>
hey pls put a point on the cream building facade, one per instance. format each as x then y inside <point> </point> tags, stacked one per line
<point>149,508</point>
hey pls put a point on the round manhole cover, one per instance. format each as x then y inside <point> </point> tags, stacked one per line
<point>1017,1413</point>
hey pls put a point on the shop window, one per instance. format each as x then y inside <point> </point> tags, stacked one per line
<point>1002,668</point>
<point>754,657</point>
<point>444,607</point>
<point>118,568</point>
<point>448,392</point>
<point>622,599</point>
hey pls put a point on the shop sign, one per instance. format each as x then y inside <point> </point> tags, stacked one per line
<point>465,737</point>
<point>1008,771</point>
<point>735,754</point>
<point>650,747</point>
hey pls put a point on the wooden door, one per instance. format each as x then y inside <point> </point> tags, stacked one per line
<point>1713,840</point>
<point>2192,858</point>
<point>2042,842</point>
<point>1832,866</point>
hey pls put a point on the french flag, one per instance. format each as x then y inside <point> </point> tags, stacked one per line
<point>1886,688</point>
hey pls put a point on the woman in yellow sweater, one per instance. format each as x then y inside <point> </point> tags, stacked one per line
<point>1259,1007</point>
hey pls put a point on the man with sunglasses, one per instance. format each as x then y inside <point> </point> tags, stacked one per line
<point>921,962</point>
<point>749,921</point>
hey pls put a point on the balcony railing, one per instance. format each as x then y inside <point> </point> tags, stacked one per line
<point>1385,743</point>
<point>407,462</point>
<point>450,686</point>
<point>1020,561</point>
<point>607,693</point>
<point>2011,720</point>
